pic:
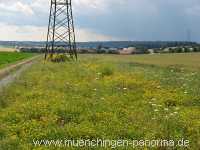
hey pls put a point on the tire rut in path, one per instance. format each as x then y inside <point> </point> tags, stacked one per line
<point>14,75</point>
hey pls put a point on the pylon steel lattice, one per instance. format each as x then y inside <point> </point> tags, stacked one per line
<point>61,35</point>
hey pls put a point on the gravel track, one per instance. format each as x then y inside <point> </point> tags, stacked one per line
<point>9,75</point>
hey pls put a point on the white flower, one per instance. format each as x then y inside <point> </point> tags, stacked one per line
<point>125,88</point>
<point>185,92</point>
<point>184,84</point>
<point>166,109</point>
<point>153,104</point>
<point>158,87</point>
<point>175,112</point>
<point>153,99</point>
<point>156,110</point>
<point>177,108</point>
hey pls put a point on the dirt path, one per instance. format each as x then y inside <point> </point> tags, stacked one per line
<point>9,74</point>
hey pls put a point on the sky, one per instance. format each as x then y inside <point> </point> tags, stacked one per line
<point>105,20</point>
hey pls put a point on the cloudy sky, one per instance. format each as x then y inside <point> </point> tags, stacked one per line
<point>97,20</point>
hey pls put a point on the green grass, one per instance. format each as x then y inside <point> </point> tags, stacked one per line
<point>12,57</point>
<point>187,60</point>
<point>101,96</point>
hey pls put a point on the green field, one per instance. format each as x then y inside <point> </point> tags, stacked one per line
<point>12,57</point>
<point>190,60</point>
<point>106,97</point>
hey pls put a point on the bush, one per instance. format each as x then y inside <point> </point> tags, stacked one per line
<point>101,51</point>
<point>58,58</point>
<point>179,50</point>
<point>107,71</point>
<point>113,52</point>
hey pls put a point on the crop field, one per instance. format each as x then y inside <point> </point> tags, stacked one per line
<point>7,49</point>
<point>12,57</point>
<point>103,97</point>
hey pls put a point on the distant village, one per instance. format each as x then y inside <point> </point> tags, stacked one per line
<point>112,47</point>
<point>122,51</point>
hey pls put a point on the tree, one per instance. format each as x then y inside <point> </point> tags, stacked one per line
<point>179,50</point>
<point>99,47</point>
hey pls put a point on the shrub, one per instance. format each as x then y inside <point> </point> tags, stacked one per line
<point>113,52</point>
<point>58,58</point>
<point>170,103</point>
<point>107,71</point>
<point>101,51</point>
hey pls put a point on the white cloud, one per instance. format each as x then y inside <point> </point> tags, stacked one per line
<point>90,6</point>
<point>16,6</point>
<point>85,35</point>
<point>34,33</point>
<point>40,5</point>
<point>14,32</point>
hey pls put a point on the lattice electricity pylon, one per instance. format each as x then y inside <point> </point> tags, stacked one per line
<point>61,35</point>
